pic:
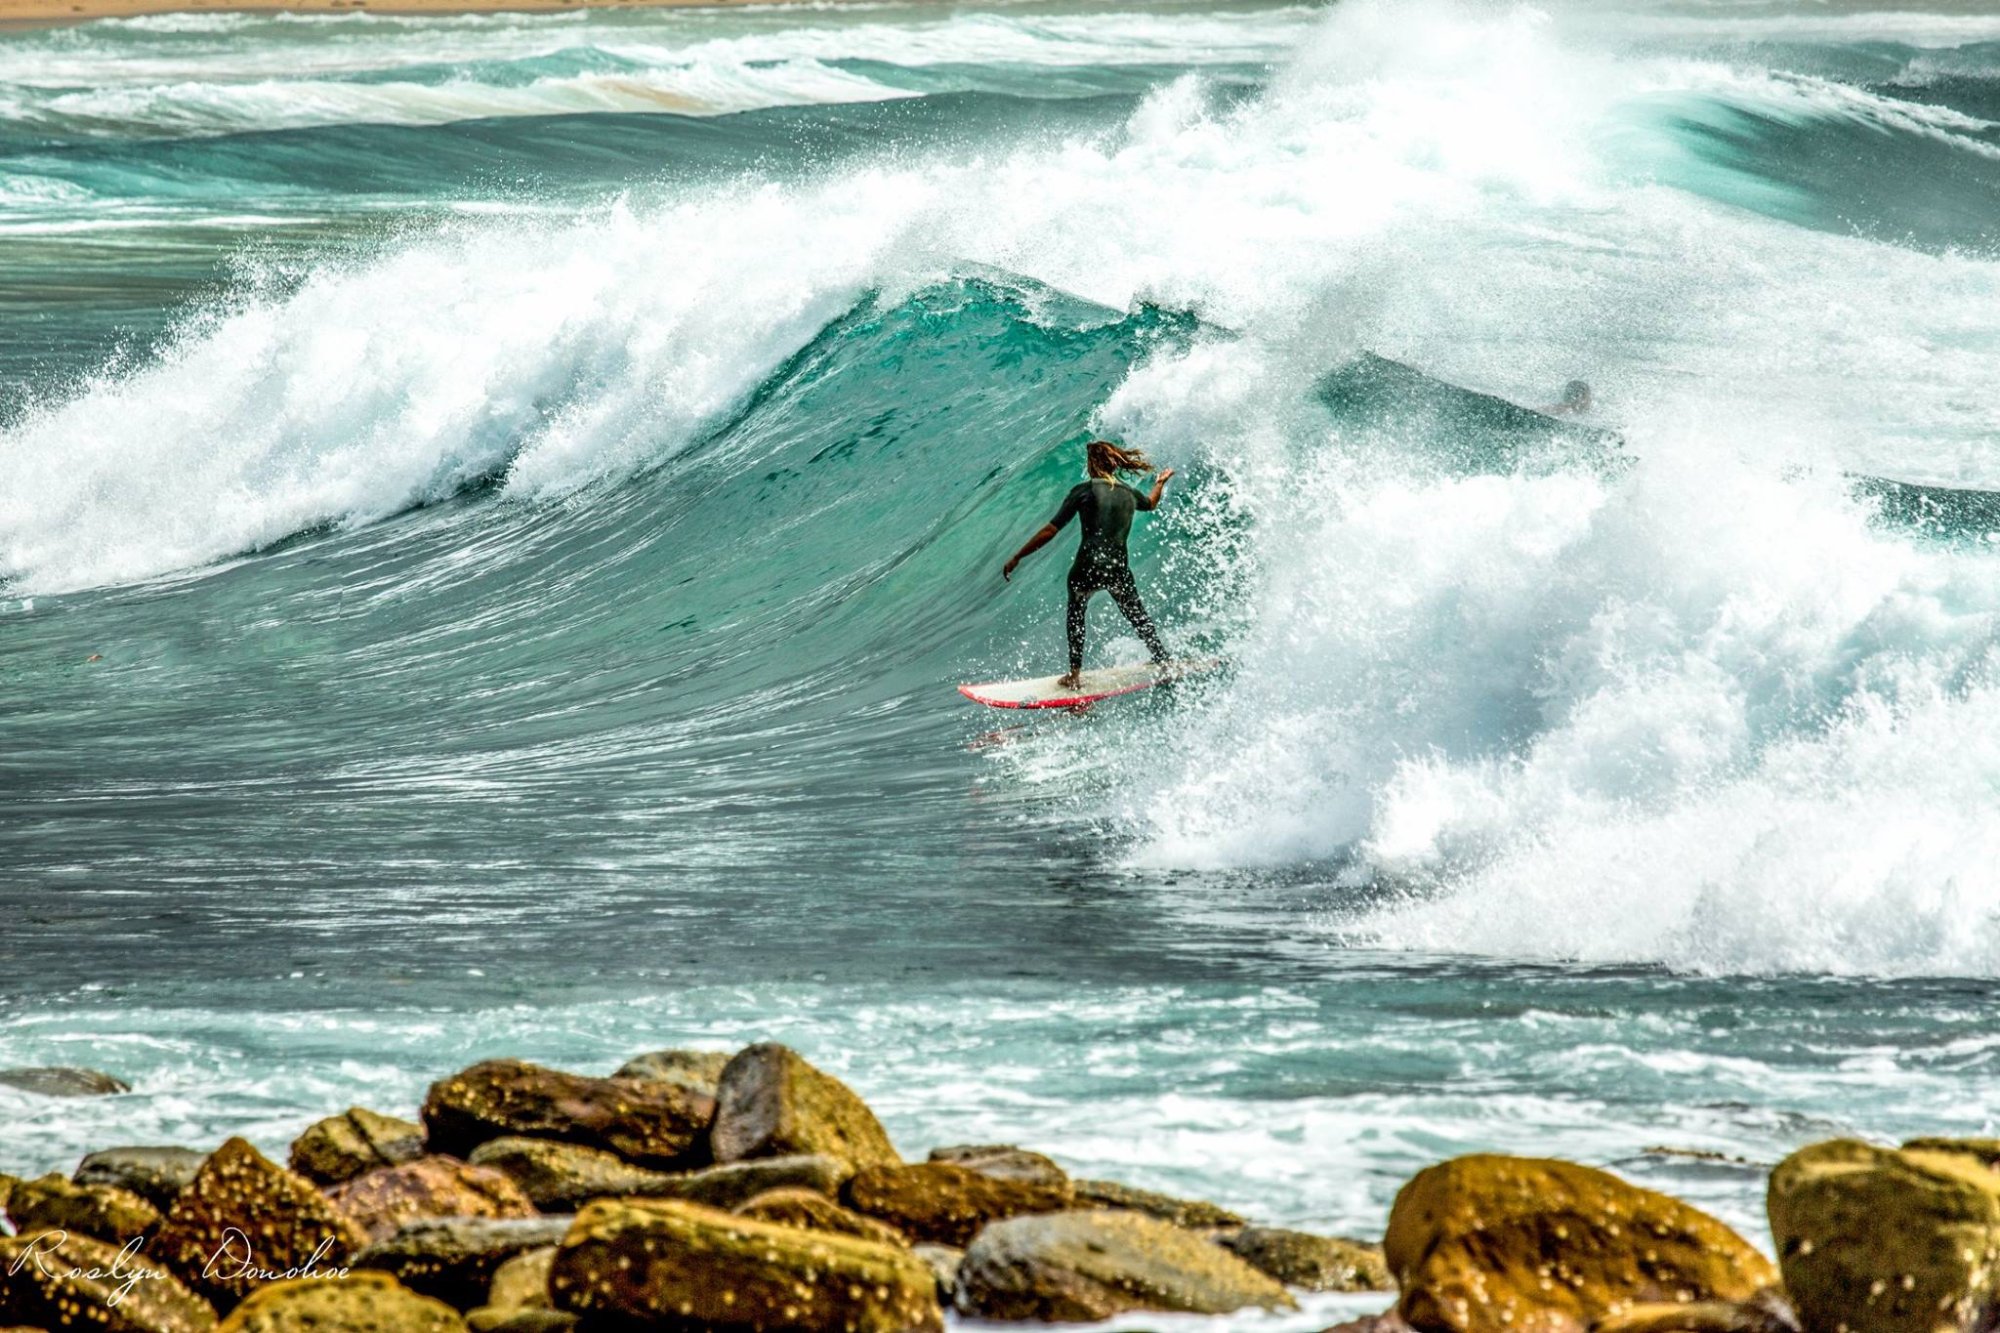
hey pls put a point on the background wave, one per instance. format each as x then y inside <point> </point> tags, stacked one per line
<point>1685,712</point>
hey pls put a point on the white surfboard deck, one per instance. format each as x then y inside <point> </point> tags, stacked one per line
<point>1101,683</point>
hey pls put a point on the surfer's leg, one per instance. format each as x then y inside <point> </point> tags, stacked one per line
<point>1125,592</point>
<point>1079,606</point>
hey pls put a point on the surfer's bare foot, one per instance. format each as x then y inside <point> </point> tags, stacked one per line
<point>1070,680</point>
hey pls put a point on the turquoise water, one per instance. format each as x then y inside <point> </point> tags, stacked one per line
<point>495,509</point>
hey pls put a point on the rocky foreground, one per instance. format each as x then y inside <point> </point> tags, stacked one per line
<point>697,1190</point>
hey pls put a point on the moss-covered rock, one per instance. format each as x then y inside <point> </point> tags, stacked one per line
<point>772,1103</point>
<point>697,1071</point>
<point>1315,1263</point>
<point>155,1174</point>
<point>54,1281</point>
<point>1768,1313</point>
<point>103,1212</point>
<point>1493,1244</point>
<point>562,1177</point>
<point>1004,1162</point>
<point>1877,1240</point>
<point>522,1283</point>
<point>1066,1267</point>
<point>649,1122</point>
<point>358,1303</point>
<point>343,1146</point>
<point>523,1321</point>
<point>813,1211</point>
<point>946,1204</point>
<point>244,1221</point>
<point>1985,1151</point>
<point>454,1259</point>
<point>382,1201</point>
<point>565,1176</point>
<point>684,1266</point>
<point>1194,1214</point>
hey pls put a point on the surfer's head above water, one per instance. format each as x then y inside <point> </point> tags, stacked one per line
<point>1102,458</point>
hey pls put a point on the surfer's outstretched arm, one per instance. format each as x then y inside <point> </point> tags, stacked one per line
<point>1159,488</point>
<point>1035,543</point>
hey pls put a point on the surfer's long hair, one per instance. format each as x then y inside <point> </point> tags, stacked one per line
<point>1105,459</point>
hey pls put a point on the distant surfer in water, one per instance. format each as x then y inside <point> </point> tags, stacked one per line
<point>1575,402</point>
<point>1104,506</point>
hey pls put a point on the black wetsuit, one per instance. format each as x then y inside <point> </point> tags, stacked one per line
<point>1105,510</point>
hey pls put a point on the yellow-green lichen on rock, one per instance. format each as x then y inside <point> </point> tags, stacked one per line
<point>54,1281</point>
<point>946,1204</point>
<point>244,1221</point>
<point>1070,1267</point>
<point>358,1303</point>
<point>813,1211</point>
<point>772,1103</point>
<point>344,1146</point>
<point>104,1212</point>
<point>1495,1244</point>
<point>685,1266</point>
<point>1315,1263</point>
<point>649,1122</point>
<point>1880,1240</point>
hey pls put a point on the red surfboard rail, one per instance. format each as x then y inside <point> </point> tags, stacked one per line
<point>1122,680</point>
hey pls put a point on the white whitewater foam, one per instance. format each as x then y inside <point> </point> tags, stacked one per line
<point>253,73</point>
<point>1703,714</point>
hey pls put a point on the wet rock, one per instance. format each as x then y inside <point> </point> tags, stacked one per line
<point>1985,1151</point>
<point>244,1221</point>
<point>1195,1214</point>
<point>343,1146</point>
<point>1065,1267</point>
<point>774,1104</point>
<point>524,1321</point>
<point>1493,1244</point>
<point>565,1176</point>
<point>522,1283</point>
<point>562,1177</point>
<point>813,1211</point>
<point>1004,1162</point>
<point>697,1071</point>
<point>63,1081</point>
<point>682,1265</point>
<point>103,1212</point>
<point>381,1201</point>
<point>1316,1263</point>
<point>52,1281</point>
<point>358,1303</point>
<point>946,1204</point>
<point>155,1174</point>
<point>455,1259</point>
<point>944,1262</point>
<point>649,1122</point>
<point>739,1182</point>
<point>1768,1312</point>
<point>8,1184</point>
<point>1875,1240</point>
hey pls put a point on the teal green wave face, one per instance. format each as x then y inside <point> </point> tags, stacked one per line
<point>493,511</point>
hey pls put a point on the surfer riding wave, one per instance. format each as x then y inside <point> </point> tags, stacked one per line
<point>1103,506</point>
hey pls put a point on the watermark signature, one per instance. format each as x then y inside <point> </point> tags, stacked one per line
<point>233,1261</point>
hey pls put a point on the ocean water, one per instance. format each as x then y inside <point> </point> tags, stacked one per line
<point>493,510</point>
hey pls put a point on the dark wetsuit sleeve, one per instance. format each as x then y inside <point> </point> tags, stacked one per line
<point>1070,504</point>
<point>1141,500</point>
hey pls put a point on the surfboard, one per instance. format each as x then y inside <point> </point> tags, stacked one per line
<point>1094,685</point>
